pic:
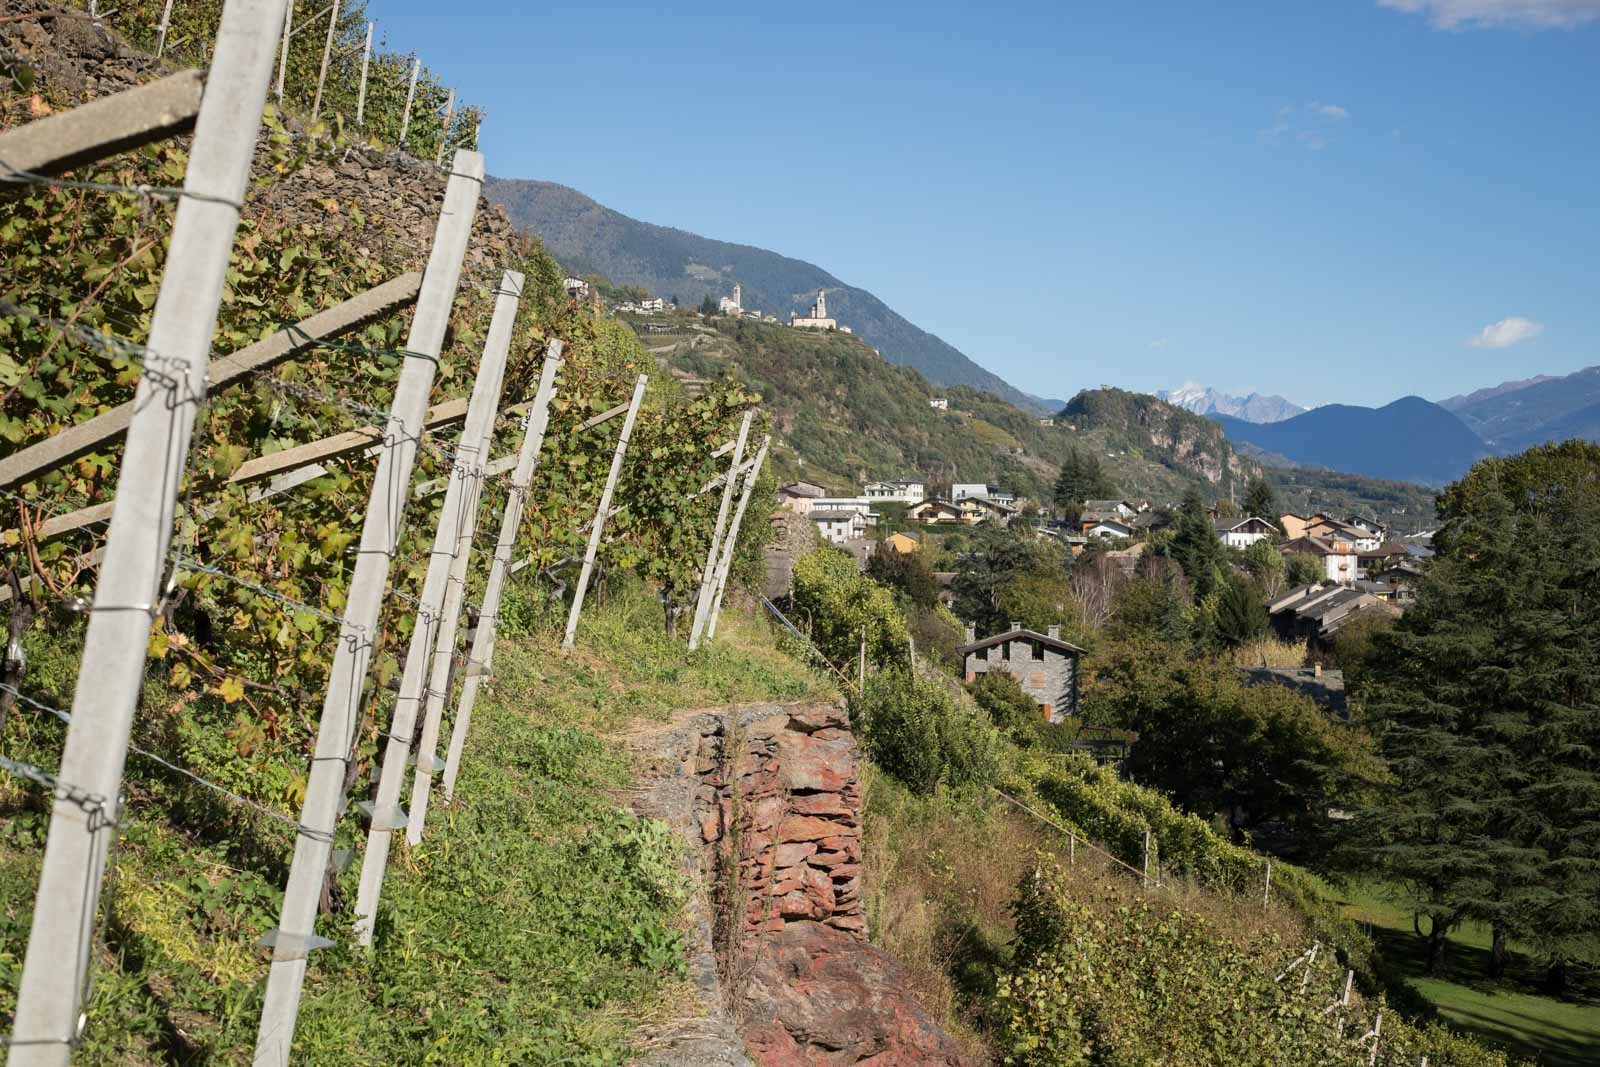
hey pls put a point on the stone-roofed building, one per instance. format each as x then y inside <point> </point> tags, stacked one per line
<point>1045,666</point>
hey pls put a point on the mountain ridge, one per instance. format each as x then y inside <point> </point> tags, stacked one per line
<point>1409,439</point>
<point>588,237</point>
<point>1516,415</point>
<point>1253,407</point>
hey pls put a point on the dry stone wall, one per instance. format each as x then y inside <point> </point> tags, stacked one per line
<point>768,800</point>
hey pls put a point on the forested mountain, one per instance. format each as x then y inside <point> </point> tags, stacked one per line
<point>590,238</point>
<point>1410,439</point>
<point>1516,415</point>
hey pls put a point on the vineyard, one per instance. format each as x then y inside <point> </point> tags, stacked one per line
<point>267,389</point>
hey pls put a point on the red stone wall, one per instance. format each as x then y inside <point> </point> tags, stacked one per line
<point>787,788</point>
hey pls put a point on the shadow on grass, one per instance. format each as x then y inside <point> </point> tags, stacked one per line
<point>1513,1013</point>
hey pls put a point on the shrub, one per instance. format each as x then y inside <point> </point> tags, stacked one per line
<point>915,730</point>
<point>1147,983</point>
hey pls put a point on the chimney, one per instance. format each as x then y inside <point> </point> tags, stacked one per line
<point>972,633</point>
<point>1055,631</point>
<point>1015,625</point>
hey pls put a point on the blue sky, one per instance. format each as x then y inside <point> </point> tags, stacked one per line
<point>1338,201</point>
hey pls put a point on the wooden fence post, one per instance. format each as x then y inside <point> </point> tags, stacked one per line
<point>361,94</point>
<point>327,53</point>
<point>283,56</point>
<point>161,30</point>
<point>455,594</point>
<point>1072,849</point>
<point>386,815</point>
<point>85,811</point>
<point>444,131</point>
<point>482,652</point>
<point>411,95</point>
<point>1146,879</point>
<point>380,533</point>
<point>725,566</point>
<point>571,638</point>
<point>708,576</point>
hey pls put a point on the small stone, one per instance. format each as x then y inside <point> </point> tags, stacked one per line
<point>791,853</point>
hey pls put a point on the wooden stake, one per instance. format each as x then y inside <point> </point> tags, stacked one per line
<point>459,503</point>
<point>161,31</point>
<point>380,533</point>
<point>510,524</point>
<point>571,638</point>
<point>444,131</point>
<point>1266,894</point>
<point>86,810</point>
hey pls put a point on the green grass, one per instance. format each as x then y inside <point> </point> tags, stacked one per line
<point>1511,1014</point>
<point>624,668</point>
<point>538,923</point>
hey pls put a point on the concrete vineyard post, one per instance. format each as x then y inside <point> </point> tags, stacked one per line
<point>708,576</point>
<point>84,815</point>
<point>569,641</point>
<point>411,96</point>
<point>327,53</point>
<point>1266,893</point>
<point>725,565</point>
<point>482,652</point>
<point>380,534</point>
<point>283,55</point>
<point>386,816</point>
<point>437,693</point>
<point>361,94</point>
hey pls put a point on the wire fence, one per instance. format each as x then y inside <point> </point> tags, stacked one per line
<point>145,570</point>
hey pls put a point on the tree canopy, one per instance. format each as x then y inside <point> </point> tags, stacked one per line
<point>1485,698</point>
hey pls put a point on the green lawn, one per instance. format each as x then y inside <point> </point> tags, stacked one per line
<point>1513,1013</point>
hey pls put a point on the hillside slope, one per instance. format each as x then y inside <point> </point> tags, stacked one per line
<point>844,415</point>
<point>590,238</point>
<point>1517,415</point>
<point>1411,439</point>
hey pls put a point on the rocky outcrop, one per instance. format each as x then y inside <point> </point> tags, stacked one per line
<point>770,799</point>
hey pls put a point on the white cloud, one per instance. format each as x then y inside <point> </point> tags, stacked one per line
<point>1481,14</point>
<point>1306,124</point>
<point>1159,342</point>
<point>1506,332</point>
